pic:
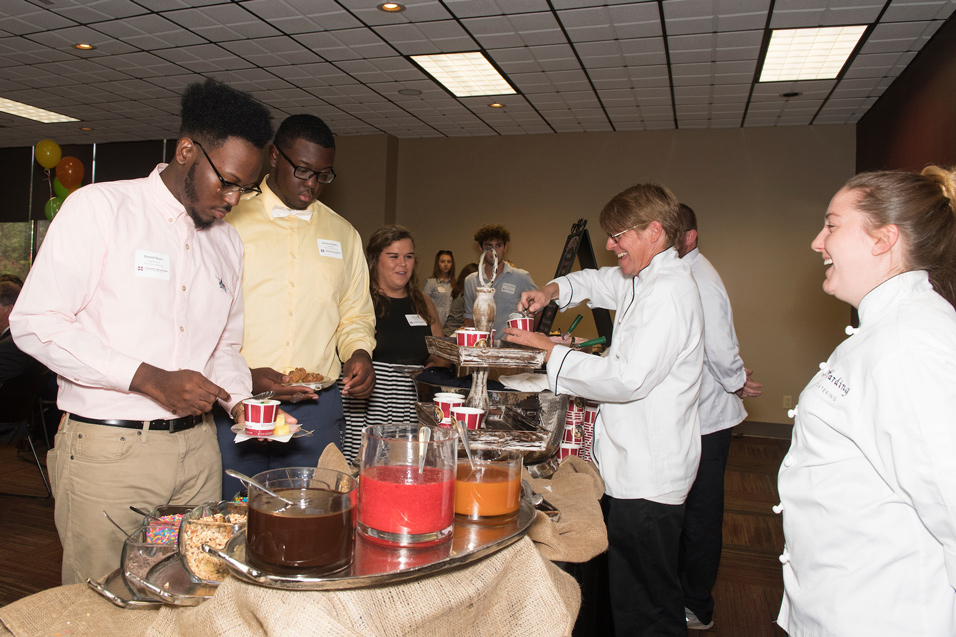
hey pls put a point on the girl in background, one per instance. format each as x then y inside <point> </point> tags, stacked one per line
<point>438,287</point>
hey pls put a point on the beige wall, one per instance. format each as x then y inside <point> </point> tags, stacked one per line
<point>760,195</point>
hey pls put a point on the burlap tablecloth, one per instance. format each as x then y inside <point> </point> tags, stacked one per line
<point>514,591</point>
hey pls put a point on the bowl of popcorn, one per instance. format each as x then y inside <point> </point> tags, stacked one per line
<point>212,523</point>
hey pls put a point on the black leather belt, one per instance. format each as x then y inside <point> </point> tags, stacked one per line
<point>172,426</point>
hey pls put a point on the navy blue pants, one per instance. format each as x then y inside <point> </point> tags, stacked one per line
<point>323,417</point>
<point>702,538</point>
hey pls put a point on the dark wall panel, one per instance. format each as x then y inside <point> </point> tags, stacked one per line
<point>128,160</point>
<point>914,122</point>
<point>15,168</point>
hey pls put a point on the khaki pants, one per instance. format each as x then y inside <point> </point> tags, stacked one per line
<point>96,468</point>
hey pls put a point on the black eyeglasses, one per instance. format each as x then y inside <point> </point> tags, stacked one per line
<point>305,174</point>
<point>228,188</point>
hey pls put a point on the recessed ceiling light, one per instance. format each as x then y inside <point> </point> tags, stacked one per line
<point>809,54</point>
<point>85,128</point>
<point>496,105</point>
<point>32,112</point>
<point>409,91</point>
<point>465,74</point>
<point>391,7</point>
<point>84,46</point>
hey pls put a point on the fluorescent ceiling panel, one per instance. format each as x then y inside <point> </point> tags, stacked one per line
<point>465,74</point>
<point>809,54</point>
<point>32,112</point>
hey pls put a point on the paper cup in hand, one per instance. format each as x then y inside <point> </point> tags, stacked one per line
<point>471,416</point>
<point>470,338</point>
<point>260,416</point>
<point>524,323</point>
<point>445,401</point>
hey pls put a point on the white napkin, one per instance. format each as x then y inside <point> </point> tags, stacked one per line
<point>241,436</point>
<point>525,382</point>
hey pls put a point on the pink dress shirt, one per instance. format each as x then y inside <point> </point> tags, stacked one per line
<point>123,277</point>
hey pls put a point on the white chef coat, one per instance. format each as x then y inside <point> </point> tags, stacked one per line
<point>868,488</point>
<point>720,407</point>
<point>647,433</point>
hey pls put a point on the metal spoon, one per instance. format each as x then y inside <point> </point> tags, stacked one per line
<point>424,437</point>
<point>463,434</point>
<point>143,513</point>
<point>246,480</point>
<point>117,525</point>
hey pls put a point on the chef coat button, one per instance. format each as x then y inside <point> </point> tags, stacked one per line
<point>787,461</point>
<point>791,413</point>
<point>823,365</point>
<point>850,330</point>
<point>182,329</point>
<point>784,557</point>
<point>777,508</point>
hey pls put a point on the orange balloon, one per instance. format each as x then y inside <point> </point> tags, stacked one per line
<point>70,172</point>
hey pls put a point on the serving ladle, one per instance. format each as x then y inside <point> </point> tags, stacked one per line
<point>246,480</point>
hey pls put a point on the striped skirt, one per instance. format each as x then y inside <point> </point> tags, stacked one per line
<point>392,401</point>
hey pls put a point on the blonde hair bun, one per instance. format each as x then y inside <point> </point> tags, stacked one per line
<point>945,179</point>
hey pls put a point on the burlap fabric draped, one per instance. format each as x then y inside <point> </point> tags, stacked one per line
<point>514,591</point>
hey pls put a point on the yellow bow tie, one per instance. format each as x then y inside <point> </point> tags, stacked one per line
<point>281,211</point>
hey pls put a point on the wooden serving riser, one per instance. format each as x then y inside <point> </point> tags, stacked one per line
<point>503,354</point>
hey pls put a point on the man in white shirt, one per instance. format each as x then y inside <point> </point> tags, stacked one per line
<point>135,301</point>
<point>723,384</point>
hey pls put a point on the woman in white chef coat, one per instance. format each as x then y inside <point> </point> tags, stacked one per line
<point>647,433</point>
<point>868,488</point>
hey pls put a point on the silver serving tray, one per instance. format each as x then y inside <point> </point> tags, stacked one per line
<point>114,588</point>
<point>374,564</point>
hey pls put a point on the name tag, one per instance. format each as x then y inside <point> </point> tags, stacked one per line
<point>508,288</point>
<point>441,288</point>
<point>415,320</point>
<point>330,248</point>
<point>152,265</point>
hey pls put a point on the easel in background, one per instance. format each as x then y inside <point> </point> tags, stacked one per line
<point>578,244</point>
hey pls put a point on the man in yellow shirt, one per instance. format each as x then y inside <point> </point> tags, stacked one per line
<point>307,303</point>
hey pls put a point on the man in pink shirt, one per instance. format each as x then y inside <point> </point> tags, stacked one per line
<point>135,302</point>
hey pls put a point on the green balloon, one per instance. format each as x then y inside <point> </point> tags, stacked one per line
<point>52,207</point>
<point>60,189</point>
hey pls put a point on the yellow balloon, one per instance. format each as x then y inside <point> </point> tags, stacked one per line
<point>48,153</point>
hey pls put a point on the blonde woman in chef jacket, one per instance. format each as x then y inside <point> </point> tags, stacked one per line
<point>868,488</point>
<point>647,432</point>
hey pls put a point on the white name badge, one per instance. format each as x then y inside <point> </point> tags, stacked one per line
<point>508,288</point>
<point>441,288</point>
<point>153,265</point>
<point>330,248</point>
<point>415,320</point>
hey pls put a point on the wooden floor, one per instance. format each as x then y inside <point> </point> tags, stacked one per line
<point>749,585</point>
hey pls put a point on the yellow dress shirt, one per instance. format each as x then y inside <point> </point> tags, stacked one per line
<point>305,287</point>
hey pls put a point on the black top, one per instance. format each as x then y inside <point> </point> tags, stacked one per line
<point>14,362</point>
<point>396,340</point>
